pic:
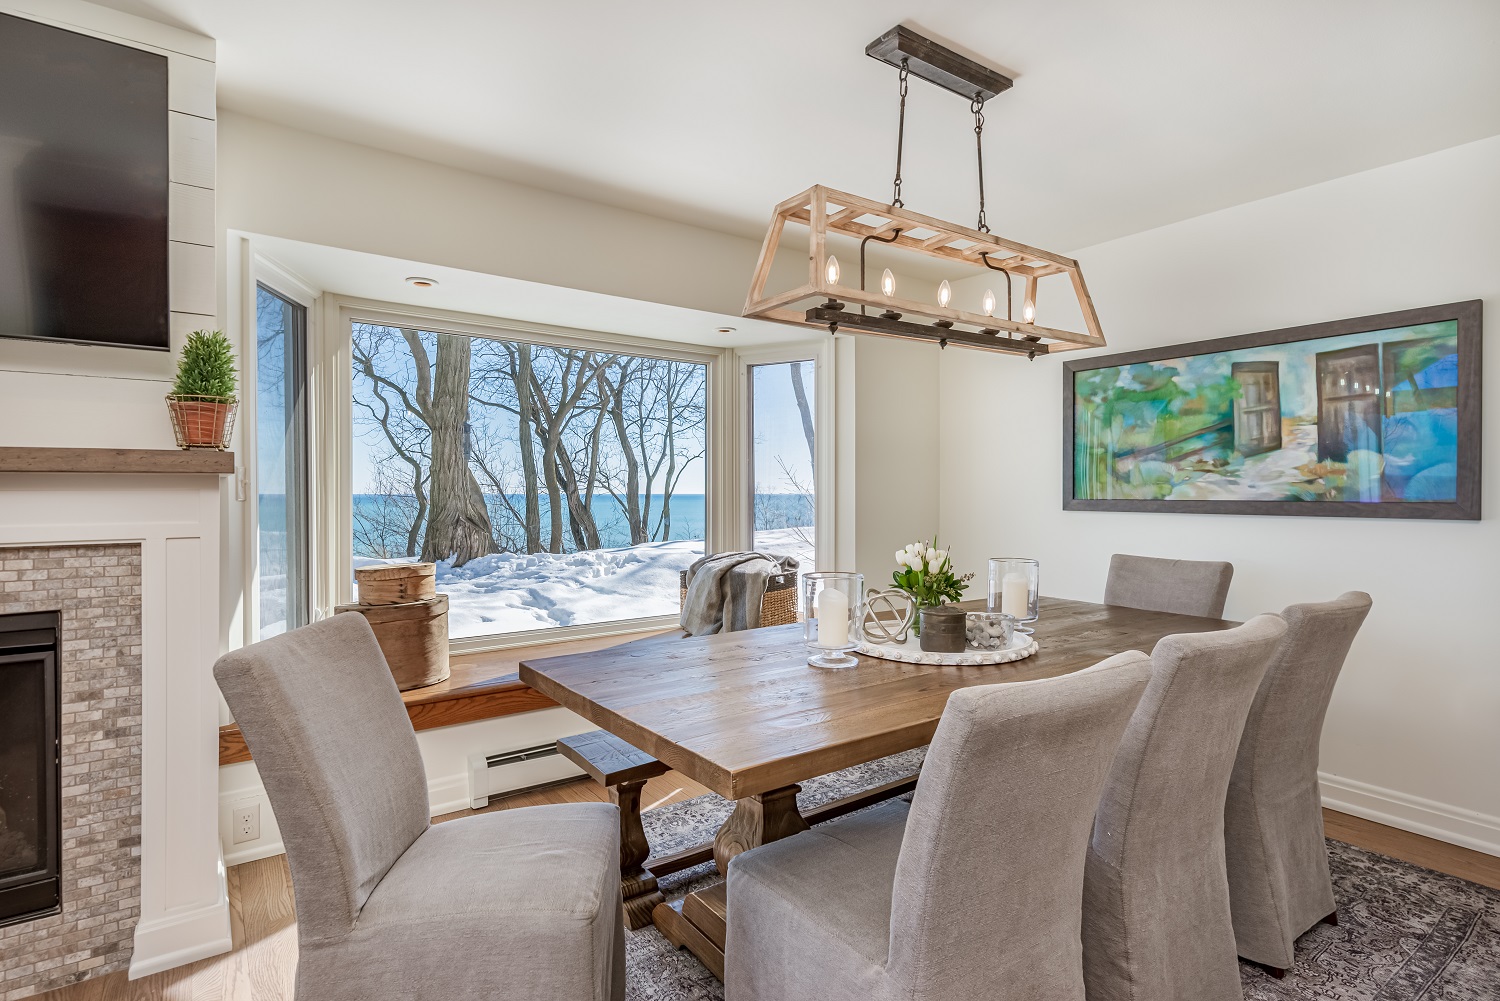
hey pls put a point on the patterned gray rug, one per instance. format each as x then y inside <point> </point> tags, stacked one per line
<point>1405,933</point>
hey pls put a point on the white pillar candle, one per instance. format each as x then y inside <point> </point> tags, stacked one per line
<point>1015,595</point>
<point>833,618</point>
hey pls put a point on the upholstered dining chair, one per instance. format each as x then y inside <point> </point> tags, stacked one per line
<point>521,903</point>
<point>1155,896</point>
<point>1279,885</point>
<point>971,891</point>
<point>1186,587</point>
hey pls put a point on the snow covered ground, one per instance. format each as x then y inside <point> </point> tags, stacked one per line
<point>512,592</point>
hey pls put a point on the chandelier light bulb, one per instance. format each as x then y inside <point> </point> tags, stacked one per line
<point>832,270</point>
<point>989,302</point>
<point>945,293</point>
<point>1028,311</point>
<point>887,283</point>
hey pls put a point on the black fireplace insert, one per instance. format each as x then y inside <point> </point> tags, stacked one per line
<point>30,768</point>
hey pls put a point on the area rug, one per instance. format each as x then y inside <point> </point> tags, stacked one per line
<point>1405,933</point>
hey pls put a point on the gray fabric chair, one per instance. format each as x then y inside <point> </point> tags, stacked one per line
<point>970,892</point>
<point>1155,896</point>
<point>1187,587</point>
<point>1273,819</point>
<point>518,903</point>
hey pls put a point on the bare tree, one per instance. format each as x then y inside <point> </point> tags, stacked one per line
<point>401,427</point>
<point>453,520</point>
<point>800,392</point>
<point>458,526</point>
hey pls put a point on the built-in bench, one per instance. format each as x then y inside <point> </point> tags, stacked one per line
<point>481,686</point>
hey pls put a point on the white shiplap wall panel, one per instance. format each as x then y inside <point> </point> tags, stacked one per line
<point>191,216</point>
<point>190,149</point>
<point>192,273</point>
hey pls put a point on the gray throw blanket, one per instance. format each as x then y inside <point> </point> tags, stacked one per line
<point>724,592</point>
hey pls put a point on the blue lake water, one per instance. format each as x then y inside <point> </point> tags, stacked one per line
<point>779,510</point>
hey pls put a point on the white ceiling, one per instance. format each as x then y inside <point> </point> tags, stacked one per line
<point>1124,116</point>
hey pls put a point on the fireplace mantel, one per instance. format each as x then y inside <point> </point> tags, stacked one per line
<point>115,460</point>
<point>174,520</point>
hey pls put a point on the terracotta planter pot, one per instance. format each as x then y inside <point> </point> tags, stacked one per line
<point>202,421</point>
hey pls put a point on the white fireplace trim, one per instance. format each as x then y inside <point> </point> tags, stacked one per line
<point>175,521</point>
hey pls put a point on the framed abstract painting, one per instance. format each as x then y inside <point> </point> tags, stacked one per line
<point>1372,417</point>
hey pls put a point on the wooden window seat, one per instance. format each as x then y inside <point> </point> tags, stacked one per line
<point>481,686</point>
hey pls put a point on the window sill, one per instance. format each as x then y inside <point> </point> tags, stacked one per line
<point>481,686</point>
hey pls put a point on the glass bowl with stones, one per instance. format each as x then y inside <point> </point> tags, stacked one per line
<point>989,630</point>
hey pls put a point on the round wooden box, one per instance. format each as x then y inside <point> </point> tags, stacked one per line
<point>396,583</point>
<point>413,635</point>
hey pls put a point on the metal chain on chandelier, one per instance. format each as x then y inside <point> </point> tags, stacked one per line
<point>977,106</point>
<point>896,201</point>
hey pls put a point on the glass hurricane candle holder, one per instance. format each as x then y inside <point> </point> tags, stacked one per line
<point>833,606</point>
<point>1015,589</point>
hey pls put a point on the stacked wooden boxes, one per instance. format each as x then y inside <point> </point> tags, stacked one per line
<point>409,618</point>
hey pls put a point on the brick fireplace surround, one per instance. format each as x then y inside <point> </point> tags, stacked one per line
<point>97,588</point>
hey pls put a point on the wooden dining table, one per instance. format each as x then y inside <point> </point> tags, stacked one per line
<point>744,714</point>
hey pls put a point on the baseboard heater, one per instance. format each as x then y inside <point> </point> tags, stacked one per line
<point>516,771</point>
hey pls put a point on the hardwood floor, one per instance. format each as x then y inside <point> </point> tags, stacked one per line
<point>1465,863</point>
<point>263,922</point>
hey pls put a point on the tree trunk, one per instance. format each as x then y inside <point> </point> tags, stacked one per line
<point>632,463</point>
<point>458,526</point>
<point>525,407</point>
<point>800,392</point>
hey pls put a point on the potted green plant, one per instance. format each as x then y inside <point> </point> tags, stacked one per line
<point>926,574</point>
<point>202,401</point>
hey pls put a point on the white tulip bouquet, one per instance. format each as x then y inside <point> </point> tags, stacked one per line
<point>926,573</point>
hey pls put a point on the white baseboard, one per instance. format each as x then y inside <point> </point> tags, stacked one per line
<point>1467,828</point>
<point>448,795</point>
<point>181,938</point>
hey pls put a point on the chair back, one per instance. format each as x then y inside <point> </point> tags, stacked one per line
<point>336,751</point>
<point>1184,587</point>
<point>1156,896</point>
<point>990,874</point>
<point>1279,748</point>
<point>1168,783</point>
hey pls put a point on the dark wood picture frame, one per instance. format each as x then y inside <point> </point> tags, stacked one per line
<point>1465,506</point>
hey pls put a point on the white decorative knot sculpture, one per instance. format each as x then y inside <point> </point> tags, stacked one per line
<point>883,607</point>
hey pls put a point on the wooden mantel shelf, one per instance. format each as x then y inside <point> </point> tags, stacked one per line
<point>115,460</point>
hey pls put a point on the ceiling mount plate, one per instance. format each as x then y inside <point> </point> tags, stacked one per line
<point>938,64</point>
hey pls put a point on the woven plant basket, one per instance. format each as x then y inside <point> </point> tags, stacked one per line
<point>202,421</point>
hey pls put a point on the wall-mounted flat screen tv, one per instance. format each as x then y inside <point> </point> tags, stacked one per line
<point>83,188</point>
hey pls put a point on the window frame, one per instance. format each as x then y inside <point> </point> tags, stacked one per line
<point>336,401</point>
<point>820,353</point>
<point>279,281</point>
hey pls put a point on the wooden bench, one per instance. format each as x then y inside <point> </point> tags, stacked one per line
<point>623,769</point>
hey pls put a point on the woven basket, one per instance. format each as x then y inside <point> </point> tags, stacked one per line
<point>777,608</point>
<point>202,421</point>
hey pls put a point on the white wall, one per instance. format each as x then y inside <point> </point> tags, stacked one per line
<point>1412,735</point>
<point>283,182</point>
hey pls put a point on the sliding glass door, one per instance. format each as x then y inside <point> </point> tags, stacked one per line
<point>281,549</point>
<point>783,459</point>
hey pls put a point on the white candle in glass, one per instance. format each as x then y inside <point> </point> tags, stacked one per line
<point>833,618</point>
<point>1015,595</point>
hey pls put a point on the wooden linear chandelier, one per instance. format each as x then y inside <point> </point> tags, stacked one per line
<point>825,211</point>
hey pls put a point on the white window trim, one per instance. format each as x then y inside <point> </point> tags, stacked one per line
<point>820,352</point>
<point>333,399</point>
<point>261,270</point>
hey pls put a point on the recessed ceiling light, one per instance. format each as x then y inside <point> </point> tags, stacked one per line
<point>726,330</point>
<point>420,282</point>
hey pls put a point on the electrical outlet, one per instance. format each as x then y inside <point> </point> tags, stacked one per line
<point>246,820</point>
